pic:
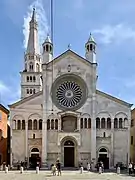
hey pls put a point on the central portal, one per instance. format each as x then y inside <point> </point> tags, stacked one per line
<point>69,152</point>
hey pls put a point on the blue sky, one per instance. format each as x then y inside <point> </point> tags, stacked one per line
<point>111,23</point>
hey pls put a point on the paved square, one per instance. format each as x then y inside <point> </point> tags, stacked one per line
<point>66,175</point>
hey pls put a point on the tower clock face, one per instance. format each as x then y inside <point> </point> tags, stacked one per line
<point>69,92</point>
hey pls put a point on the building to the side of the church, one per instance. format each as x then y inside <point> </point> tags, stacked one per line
<point>62,115</point>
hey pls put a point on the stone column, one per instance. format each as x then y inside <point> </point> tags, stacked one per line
<point>78,123</point>
<point>26,140</point>
<point>112,143</point>
<point>93,130</point>
<point>44,116</point>
<point>59,124</point>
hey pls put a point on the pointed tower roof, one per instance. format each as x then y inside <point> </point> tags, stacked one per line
<point>33,44</point>
<point>91,39</point>
<point>48,39</point>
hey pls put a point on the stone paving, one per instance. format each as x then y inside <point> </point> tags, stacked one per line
<point>66,175</point>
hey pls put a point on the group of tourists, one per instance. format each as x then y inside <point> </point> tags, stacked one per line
<point>56,168</point>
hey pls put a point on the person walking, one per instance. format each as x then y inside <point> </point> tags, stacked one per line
<point>130,168</point>
<point>88,166</point>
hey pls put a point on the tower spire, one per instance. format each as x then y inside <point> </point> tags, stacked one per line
<point>33,44</point>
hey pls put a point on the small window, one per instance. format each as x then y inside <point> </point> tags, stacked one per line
<point>34,91</point>
<point>30,91</point>
<point>91,47</point>
<point>34,78</point>
<point>27,90</point>
<point>85,122</point>
<point>27,78</point>
<point>132,122</point>
<point>104,134</point>
<point>81,123</point>
<point>47,48</point>
<point>33,136</point>
<point>131,140</point>
<point>87,47</point>
<point>30,78</point>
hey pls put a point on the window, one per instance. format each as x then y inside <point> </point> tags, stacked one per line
<point>31,66</point>
<point>56,123</point>
<point>52,124</point>
<point>27,91</point>
<point>115,123</point>
<point>97,123</point>
<point>18,124</point>
<point>85,122</point>
<point>27,78</point>
<point>48,123</point>
<point>87,47</point>
<point>81,123</point>
<point>30,124</point>
<point>34,78</point>
<point>40,124</point>
<point>47,48</point>
<point>108,123</point>
<point>23,124</point>
<point>34,91</point>
<point>120,123</point>
<point>103,123</point>
<point>131,140</point>
<point>33,136</point>
<point>30,78</point>
<point>35,124</point>
<point>132,122</point>
<point>91,47</point>
<point>104,134</point>
<point>89,123</point>
<point>30,91</point>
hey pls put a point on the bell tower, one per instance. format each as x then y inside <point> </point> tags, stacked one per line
<point>90,49</point>
<point>30,76</point>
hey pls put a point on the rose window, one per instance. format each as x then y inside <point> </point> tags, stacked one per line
<point>69,92</point>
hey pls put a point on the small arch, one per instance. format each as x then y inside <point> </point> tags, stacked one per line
<point>27,91</point>
<point>29,124</point>
<point>30,91</point>
<point>68,143</point>
<point>18,124</point>
<point>56,123</point>
<point>30,78</point>
<point>34,79</point>
<point>120,123</point>
<point>89,123</point>
<point>103,123</point>
<point>35,150</point>
<point>34,91</point>
<point>115,123</point>
<point>91,47</point>
<point>48,124</point>
<point>47,47</point>
<point>102,150</point>
<point>52,124</point>
<point>31,66</point>
<point>34,136</point>
<point>27,79</point>
<point>108,123</point>
<point>85,123</point>
<point>40,124</point>
<point>88,48</point>
<point>23,124</point>
<point>35,124</point>
<point>81,123</point>
<point>98,123</point>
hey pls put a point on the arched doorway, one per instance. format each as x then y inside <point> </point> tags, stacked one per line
<point>103,156</point>
<point>69,153</point>
<point>34,159</point>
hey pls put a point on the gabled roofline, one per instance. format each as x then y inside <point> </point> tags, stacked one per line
<point>25,99</point>
<point>3,108</point>
<point>114,98</point>
<point>69,51</point>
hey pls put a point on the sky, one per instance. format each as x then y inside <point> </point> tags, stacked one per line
<point>111,23</point>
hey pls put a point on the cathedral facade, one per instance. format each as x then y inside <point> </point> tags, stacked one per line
<point>62,114</point>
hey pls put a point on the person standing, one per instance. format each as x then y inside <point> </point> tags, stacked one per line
<point>58,165</point>
<point>88,166</point>
<point>130,168</point>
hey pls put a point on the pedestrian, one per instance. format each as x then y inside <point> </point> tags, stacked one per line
<point>130,168</point>
<point>54,170</point>
<point>88,166</point>
<point>58,165</point>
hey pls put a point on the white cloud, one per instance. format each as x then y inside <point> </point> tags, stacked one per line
<point>3,88</point>
<point>43,27</point>
<point>115,34</point>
